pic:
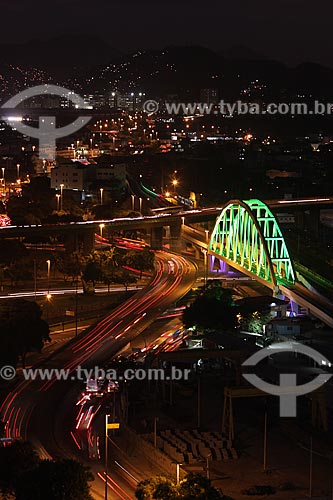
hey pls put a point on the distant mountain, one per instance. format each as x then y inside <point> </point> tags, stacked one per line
<point>14,77</point>
<point>62,57</point>
<point>88,64</point>
<point>242,52</point>
<point>183,71</point>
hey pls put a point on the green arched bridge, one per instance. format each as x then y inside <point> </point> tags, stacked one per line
<point>247,236</point>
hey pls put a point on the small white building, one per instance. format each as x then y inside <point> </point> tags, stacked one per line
<point>283,327</point>
<point>71,176</point>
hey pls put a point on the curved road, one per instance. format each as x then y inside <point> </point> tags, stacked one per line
<point>42,411</point>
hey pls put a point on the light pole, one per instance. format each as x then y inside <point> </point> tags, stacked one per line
<point>101,192</point>
<point>35,278</point>
<point>133,202</point>
<point>175,184</point>
<point>155,431</point>
<point>207,465</point>
<point>61,195</point>
<point>205,252</point>
<point>18,170</point>
<point>140,200</point>
<point>48,262</point>
<point>178,472</point>
<point>311,467</point>
<point>101,227</point>
<point>265,441</point>
<point>76,306</point>
<point>106,457</point>
<point>58,200</point>
<point>48,296</point>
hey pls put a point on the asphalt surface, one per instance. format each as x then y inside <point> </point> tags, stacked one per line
<point>42,411</point>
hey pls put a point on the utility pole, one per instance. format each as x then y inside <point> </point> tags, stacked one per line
<point>311,467</point>
<point>76,308</point>
<point>106,457</point>
<point>265,440</point>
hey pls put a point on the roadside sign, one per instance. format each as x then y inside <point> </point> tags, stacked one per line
<point>114,425</point>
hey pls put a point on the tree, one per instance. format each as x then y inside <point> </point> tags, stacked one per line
<point>124,278</point>
<point>93,270</point>
<point>70,264</point>
<point>143,260</point>
<point>22,330</point>
<point>197,487</point>
<point>156,488</point>
<point>193,487</point>
<point>108,266</point>
<point>254,322</point>
<point>56,480</point>
<point>16,461</point>
<point>213,308</point>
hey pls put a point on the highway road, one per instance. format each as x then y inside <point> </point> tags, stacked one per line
<point>42,411</point>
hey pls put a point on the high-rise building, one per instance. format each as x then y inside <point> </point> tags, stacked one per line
<point>209,96</point>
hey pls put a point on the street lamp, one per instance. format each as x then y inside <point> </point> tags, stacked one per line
<point>133,202</point>
<point>101,191</point>
<point>61,194</point>
<point>207,465</point>
<point>140,200</point>
<point>178,472</point>
<point>101,227</point>
<point>58,200</point>
<point>175,184</point>
<point>18,170</point>
<point>106,456</point>
<point>48,262</point>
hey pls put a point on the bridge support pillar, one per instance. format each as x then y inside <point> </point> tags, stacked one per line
<point>156,238</point>
<point>88,242</point>
<point>217,265</point>
<point>72,242</point>
<point>176,243</point>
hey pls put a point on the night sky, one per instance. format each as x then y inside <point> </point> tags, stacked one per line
<point>288,30</point>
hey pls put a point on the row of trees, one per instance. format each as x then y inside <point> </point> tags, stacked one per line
<point>25,476</point>
<point>193,487</point>
<point>22,330</point>
<point>110,266</point>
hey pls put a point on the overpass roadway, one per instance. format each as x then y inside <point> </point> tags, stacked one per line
<point>157,220</point>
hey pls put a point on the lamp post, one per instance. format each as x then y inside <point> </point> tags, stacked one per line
<point>106,457</point>
<point>61,195</point>
<point>18,170</point>
<point>58,201</point>
<point>101,192</point>
<point>48,296</point>
<point>207,465</point>
<point>101,227</point>
<point>76,306</point>
<point>48,262</point>
<point>140,200</point>
<point>175,184</point>
<point>178,472</point>
<point>133,202</point>
<point>155,431</point>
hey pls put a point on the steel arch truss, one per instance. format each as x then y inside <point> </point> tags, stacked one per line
<point>247,235</point>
